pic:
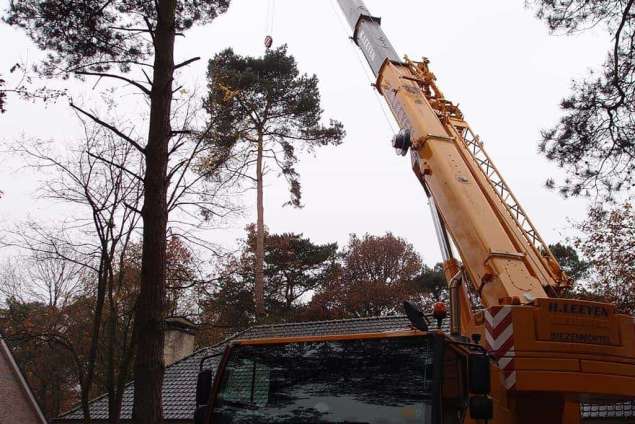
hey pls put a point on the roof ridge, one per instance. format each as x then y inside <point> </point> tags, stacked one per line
<point>292,324</point>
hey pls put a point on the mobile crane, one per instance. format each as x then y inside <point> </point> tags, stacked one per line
<point>524,355</point>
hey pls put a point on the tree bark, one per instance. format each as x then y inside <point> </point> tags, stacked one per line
<point>127,350</point>
<point>122,379</point>
<point>110,348</point>
<point>260,236</point>
<point>149,366</point>
<point>94,341</point>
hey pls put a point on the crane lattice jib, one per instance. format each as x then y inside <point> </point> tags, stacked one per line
<point>452,117</point>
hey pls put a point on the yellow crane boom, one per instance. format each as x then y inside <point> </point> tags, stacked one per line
<point>502,252</point>
<point>547,349</point>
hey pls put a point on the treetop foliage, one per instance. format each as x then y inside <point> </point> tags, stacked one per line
<point>294,266</point>
<point>97,34</point>
<point>267,94</point>
<point>595,138</point>
<point>570,261</point>
<point>267,99</point>
<point>609,246</point>
<point>385,259</point>
<point>576,15</point>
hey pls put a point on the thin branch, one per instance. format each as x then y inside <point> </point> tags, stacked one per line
<point>616,75</point>
<point>119,77</point>
<point>115,165</point>
<point>110,127</point>
<point>185,132</point>
<point>132,208</point>
<point>149,25</point>
<point>147,77</point>
<point>130,29</point>
<point>187,62</point>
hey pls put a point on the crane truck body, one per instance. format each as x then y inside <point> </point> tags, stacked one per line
<point>516,351</point>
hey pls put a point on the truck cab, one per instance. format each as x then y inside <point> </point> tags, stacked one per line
<point>376,378</point>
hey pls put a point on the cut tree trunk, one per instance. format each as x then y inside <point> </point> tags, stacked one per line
<point>260,237</point>
<point>149,366</point>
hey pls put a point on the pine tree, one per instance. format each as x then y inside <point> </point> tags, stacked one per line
<point>595,138</point>
<point>262,111</point>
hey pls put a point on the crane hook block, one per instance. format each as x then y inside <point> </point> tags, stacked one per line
<point>268,41</point>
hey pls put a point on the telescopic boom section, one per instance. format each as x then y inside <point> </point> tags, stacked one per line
<point>501,251</point>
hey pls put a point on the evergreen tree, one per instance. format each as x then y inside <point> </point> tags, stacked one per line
<point>294,267</point>
<point>262,111</point>
<point>570,262</point>
<point>595,138</point>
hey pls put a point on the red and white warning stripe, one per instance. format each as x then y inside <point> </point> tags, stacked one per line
<point>499,341</point>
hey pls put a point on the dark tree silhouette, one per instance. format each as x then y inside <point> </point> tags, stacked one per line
<point>262,110</point>
<point>110,39</point>
<point>294,267</point>
<point>431,286</point>
<point>570,261</point>
<point>595,138</point>
<point>93,181</point>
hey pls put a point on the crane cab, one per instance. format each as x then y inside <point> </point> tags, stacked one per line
<point>375,378</point>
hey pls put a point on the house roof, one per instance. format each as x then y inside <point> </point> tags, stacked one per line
<point>18,377</point>
<point>179,384</point>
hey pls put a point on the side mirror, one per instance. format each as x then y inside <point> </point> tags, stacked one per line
<point>481,408</point>
<point>479,374</point>
<point>416,317</point>
<point>204,387</point>
<point>200,415</point>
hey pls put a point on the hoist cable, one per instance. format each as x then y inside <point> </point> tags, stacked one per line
<point>269,20</point>
<point>273,17</point>
<point>270,16</point>
<point>267,17</point>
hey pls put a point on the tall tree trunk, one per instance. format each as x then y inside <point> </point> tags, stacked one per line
<point>260,236</point>
<point>85,402</point>
<point>149,366</point>
<point>110,350</point>
<point>122,379</point>
<point>127,347</point>
<point>94,341</point>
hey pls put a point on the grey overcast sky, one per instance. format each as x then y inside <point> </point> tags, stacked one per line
<point>492,57</point>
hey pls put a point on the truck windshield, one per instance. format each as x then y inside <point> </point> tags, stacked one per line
<point>374,381</point>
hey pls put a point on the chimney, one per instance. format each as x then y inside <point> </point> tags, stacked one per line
<point>179,339</point>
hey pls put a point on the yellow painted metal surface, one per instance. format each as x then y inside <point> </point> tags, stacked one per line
<point>498,259</point>
<point>572,350</point>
